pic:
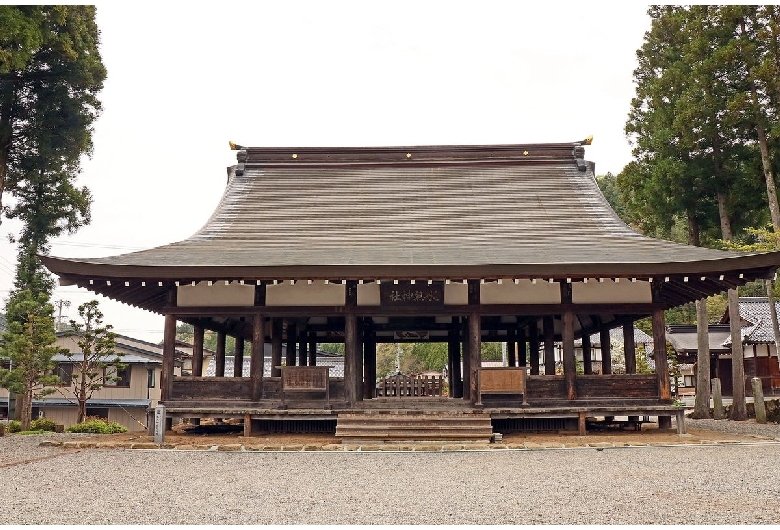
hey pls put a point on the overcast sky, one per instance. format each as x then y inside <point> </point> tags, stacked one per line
<point>183,81</point>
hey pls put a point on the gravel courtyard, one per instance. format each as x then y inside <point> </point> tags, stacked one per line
<point>723,483</point>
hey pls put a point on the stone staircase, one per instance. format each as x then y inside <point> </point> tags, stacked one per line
<point>412,426</point>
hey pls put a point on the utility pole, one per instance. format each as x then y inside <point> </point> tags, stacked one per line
<point>60,304</point>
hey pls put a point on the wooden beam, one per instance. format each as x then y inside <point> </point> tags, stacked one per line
<point>312,349</point>
<point>475,353</point>
<point>302,343</point>
<point>466,358</point>
<point>369,366</point>
<point>569,362</point>
<point>453,360</point>
<point>258,357</point>
<point>353,365</point>
<point>548,328</point>
<point>197,351</point>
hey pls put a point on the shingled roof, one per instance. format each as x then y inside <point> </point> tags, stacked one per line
<point>755,319</point>
<point>435,212</point>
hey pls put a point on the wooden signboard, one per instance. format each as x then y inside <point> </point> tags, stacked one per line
<point>406,294</point>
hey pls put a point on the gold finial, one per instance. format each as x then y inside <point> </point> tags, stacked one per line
<point>588,140</point>
<point>235,147</point>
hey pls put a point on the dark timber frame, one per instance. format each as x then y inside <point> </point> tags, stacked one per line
<point>297,268</point>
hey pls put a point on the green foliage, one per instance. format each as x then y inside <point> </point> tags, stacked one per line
<point>97,364</point>
<point>32,431</point>
<point>186,333</point>
<point>50,74</point>
<point>332,347</point>
<point>29,345</point>
<point>97,426</point>
<point>43,424</point>
<point>14,426</point>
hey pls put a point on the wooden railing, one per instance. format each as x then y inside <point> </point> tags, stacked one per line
<point>409,386</point>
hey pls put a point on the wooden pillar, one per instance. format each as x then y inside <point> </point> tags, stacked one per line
<point>522,346</point>
<point>738,405</point>
<point>475,353</point>
<point>197,351</point>
<point>257,362</point>
<point>456,375</point>
<point>292,334</point>
<point>369,365</point>
<point>606,351</point>
<point>587,354</point>
<point>629,347</point>
<point>302,344</point>
<point>313,349</point>
<point>276,346</point>
<point>465,375</point>
<point>569,363</point>
<point>548,328</point>
<point>475,338</point>
<point>220,371</point>
<point>258,350</point>
<point>533,348</point>
<point>169,355</point>
<point>353,358</point>
<point>453,357</point>
<point>238,358</point>
<point>659,352</point>
<point>510,347</point>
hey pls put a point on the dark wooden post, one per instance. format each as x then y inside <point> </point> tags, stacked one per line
<point>587,355</point>
<point>661,364</point>
<point>629,347</point>
<point>533,347</point>
<point>238,358</point>
<point>548,328</point>
<point>475,338</point>
<point>510,347</point>
<point>569,361</point>
<point>369,366</point>
<point>452,348</point>
<point>292,335</point>
<point>522,354</point>
<point>169,351</point>
<point>606,351</point>
<point>276,346</point>
<point>197,351</point>
<point>220,372</point>
<point>659,352</point>
<point>465,376</point>
<point>257,361</point>
<point>258,356</point>
<point>312,349</point>
<point>456,376</point>
<point>353,365</point>
<point>302,344</point>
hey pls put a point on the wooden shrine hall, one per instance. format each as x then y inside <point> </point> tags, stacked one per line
<point>455,244</point>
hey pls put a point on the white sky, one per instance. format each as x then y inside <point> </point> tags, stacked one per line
<point>183,81</point>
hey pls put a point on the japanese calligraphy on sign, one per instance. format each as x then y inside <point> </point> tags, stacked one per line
<point>406,294</point>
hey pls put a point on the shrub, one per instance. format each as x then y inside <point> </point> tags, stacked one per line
<point>43,424</point>
<point>14,426</point>
<point>38,431</point>
<point>97,426</point>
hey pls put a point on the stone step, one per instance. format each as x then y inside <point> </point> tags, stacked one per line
<point>414,427</point>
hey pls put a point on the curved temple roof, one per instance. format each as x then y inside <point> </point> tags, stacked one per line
<point>440,212</point>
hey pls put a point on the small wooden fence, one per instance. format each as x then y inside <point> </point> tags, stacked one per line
<point>410,386</point>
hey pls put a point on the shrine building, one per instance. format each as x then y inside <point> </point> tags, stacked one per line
<point>453,244</point>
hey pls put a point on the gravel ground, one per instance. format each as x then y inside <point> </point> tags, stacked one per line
<point>769,430</point>
<point>693,484</point>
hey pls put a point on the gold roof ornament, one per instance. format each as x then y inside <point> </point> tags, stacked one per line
<point>235,147</point>
<point>588,140</point>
